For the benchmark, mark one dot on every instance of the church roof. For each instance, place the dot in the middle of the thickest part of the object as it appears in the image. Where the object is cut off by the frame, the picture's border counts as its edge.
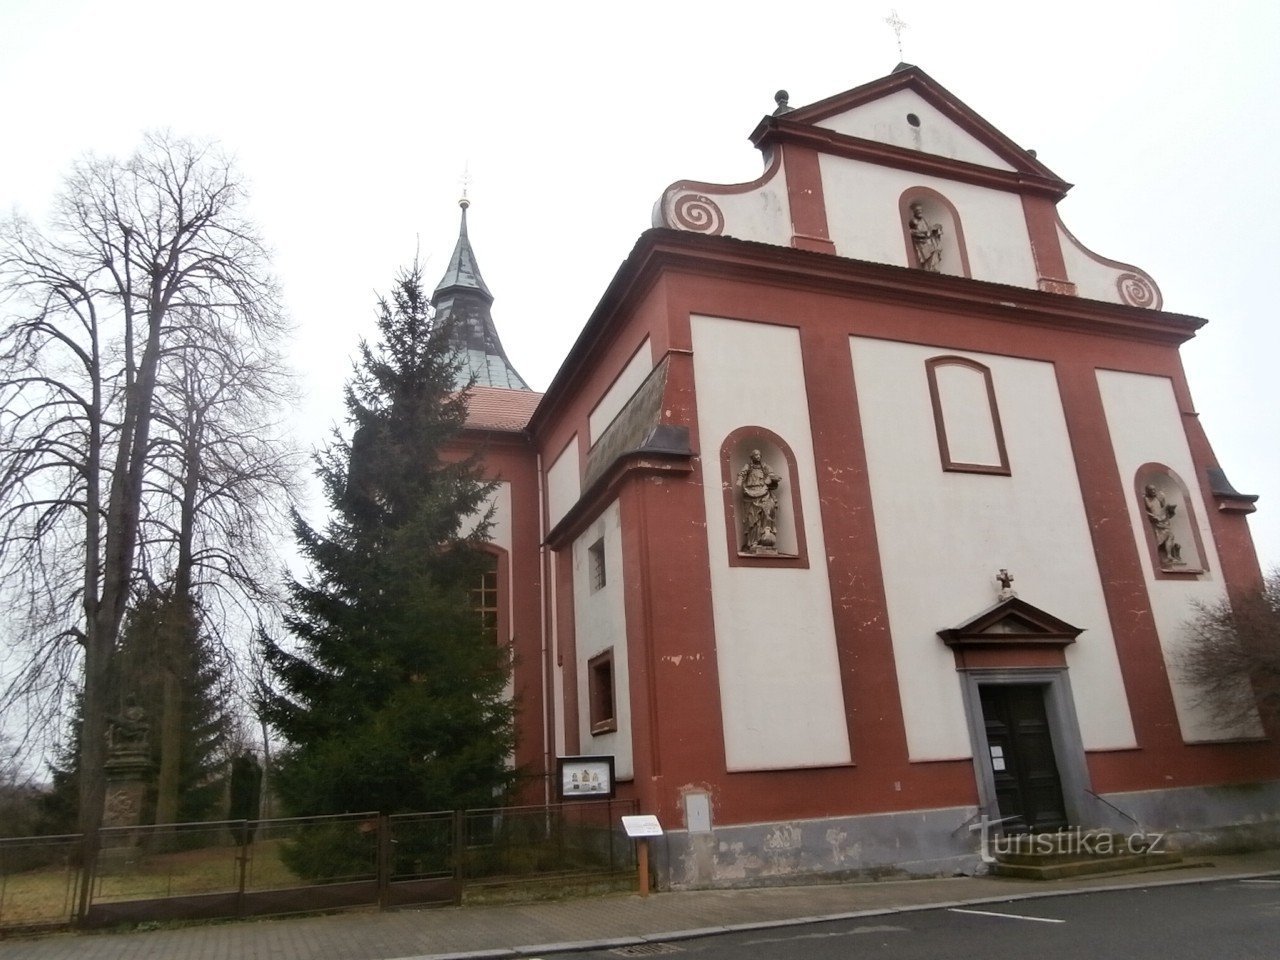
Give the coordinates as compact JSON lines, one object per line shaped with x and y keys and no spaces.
{"x":462,"y":296}
{"x":507,"y":411}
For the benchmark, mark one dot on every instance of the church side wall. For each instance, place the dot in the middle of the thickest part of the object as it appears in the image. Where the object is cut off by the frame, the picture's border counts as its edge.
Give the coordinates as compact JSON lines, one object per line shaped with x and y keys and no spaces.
{"x":515,"y":533}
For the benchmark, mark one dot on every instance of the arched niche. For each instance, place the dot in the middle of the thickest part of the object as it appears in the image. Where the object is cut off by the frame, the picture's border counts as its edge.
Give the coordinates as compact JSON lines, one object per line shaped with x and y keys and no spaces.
{"x":935,"y":212}
{"x":776,"y":459}
{"x":1169,"y":523}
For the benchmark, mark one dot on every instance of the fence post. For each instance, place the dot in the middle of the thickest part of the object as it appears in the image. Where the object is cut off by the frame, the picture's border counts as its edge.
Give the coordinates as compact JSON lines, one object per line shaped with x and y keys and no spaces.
{"x":459,"y":852}
{"x":384,"y":861}
{"x":243,"y":858}
{"x":88,"y":862}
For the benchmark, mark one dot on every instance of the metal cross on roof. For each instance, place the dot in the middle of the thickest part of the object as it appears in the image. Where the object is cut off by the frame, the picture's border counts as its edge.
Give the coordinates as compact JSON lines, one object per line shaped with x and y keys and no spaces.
{"x":897,"y":24}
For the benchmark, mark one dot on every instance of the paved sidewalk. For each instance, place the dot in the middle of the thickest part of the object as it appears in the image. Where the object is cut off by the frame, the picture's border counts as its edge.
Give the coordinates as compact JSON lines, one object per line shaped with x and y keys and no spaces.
{"x":539,"y":929}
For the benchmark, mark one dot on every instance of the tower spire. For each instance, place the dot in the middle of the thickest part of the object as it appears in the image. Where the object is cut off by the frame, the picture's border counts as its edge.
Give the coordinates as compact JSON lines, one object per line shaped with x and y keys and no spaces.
{"x":462,"y":296}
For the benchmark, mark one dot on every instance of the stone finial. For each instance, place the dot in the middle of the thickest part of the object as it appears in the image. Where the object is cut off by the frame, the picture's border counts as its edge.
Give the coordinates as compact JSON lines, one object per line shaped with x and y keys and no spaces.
{"x":781,"y":98}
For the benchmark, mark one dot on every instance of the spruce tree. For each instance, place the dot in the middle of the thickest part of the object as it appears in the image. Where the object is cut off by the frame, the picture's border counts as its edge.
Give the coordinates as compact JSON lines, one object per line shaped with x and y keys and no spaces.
{"x":165,"y":664}
{"x":391,"y":696}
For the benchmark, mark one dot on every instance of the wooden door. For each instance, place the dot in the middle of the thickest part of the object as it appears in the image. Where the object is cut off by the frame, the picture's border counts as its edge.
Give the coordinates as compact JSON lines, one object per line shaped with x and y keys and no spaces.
{"x":1028,"y":789}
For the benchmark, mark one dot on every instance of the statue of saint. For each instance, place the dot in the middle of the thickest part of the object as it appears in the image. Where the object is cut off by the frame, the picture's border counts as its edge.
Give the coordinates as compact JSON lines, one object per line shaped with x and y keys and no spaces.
{"x":758,"y":484}
{"x":1161,"y":514}
{"x":926,"y":238}
{"x":130,"y":732}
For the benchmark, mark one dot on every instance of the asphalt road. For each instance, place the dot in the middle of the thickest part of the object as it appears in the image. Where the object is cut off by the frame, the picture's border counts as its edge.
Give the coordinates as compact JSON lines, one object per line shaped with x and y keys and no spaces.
{"x":1229,"y":920}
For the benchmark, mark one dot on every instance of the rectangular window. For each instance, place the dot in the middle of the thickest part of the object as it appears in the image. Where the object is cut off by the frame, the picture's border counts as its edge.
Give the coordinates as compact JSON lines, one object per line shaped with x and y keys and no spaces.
{"x":595,"y":562}
{"x":600,"y":692}
{"x":484,"y":599}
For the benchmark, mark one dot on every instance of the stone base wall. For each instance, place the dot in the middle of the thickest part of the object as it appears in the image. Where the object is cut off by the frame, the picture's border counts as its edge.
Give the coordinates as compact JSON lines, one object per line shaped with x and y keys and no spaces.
{"x":947,"y":841}
{"x":1217,"y":819}
{"x":922,"y":843}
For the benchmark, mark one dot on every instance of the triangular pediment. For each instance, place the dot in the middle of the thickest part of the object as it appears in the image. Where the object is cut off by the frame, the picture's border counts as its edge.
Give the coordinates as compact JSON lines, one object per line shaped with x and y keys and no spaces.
{"x":1011,"y":621}
{"x":908,"y":111}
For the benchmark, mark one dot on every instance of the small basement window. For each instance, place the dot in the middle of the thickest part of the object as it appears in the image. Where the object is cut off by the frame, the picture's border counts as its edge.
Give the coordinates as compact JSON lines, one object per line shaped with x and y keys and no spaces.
{"x":600,"y":693}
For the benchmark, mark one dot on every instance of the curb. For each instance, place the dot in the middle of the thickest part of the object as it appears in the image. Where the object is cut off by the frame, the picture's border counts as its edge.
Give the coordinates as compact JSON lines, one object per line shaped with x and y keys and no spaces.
{"x":535,"y":951}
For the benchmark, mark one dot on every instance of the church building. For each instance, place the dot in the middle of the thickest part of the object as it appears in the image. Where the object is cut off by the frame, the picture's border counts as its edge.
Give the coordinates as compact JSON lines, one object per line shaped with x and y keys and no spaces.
{"x":869,"y":503}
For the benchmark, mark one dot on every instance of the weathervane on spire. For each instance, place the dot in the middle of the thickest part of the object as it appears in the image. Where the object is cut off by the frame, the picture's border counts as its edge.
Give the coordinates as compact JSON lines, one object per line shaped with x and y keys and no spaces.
{"x":897,"y":24}
{"x":465,"y":180}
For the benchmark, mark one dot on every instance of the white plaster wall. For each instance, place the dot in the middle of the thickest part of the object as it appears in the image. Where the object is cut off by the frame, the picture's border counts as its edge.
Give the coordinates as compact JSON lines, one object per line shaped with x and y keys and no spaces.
{"x":616,"y":397}
{"x":1146,"y":427}
{"x":865,"y":223}
{"x":944,"y":536}
{"x":499,"y":521}
{"x":966,"y":411}
{"x":564,"y":483}
{"x":600,"y":622}
{"x":885,"y":121}
{"x":1093,"y":280}
{"x":780,"y":694}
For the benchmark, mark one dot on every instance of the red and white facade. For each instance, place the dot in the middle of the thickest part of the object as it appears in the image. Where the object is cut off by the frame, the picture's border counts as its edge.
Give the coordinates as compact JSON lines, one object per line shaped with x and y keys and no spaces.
{"x":844,"y":702}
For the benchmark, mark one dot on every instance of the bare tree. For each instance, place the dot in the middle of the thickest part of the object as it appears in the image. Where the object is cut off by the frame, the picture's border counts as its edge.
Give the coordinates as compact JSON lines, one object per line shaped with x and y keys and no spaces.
{"x":141,"y":257}
{"x":1233,"y":656}
{"x":215,"y":504}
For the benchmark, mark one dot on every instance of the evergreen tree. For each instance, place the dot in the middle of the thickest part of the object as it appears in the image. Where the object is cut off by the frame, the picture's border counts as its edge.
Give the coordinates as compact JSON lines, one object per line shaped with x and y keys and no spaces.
{"x":392,"y":695}
{"x":166,"y":665}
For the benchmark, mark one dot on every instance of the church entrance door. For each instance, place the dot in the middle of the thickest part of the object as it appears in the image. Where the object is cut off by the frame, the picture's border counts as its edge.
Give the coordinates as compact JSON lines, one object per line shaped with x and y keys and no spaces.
{"x":1028,"y":788}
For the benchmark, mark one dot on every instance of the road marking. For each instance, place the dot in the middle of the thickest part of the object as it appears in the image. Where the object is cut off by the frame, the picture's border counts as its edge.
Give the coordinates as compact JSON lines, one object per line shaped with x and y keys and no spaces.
{"x":1260,"y":881}
{"x":1007,"y":916}
{"x":881,"y":928}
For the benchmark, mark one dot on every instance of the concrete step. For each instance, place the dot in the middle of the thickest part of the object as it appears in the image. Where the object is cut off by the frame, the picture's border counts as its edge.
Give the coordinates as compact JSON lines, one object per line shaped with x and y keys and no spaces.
{"x":1085,"y":867}
{"x":1075,"y":853}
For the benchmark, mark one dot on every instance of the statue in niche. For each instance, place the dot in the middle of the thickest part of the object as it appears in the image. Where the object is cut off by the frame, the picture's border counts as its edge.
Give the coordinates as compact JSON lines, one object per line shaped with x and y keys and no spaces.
{"x":128,"y":734}
{"x":759,"y":485}
{"x":1160,"y":513}
{"x":926,"y":238}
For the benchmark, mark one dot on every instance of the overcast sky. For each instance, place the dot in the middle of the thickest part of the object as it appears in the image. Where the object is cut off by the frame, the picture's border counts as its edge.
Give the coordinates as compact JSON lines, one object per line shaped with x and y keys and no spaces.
{"x":354,"y":124}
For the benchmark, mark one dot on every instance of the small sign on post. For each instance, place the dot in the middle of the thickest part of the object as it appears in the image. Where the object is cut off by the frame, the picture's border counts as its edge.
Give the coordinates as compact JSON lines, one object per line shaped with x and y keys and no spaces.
{"x":640,"y":828}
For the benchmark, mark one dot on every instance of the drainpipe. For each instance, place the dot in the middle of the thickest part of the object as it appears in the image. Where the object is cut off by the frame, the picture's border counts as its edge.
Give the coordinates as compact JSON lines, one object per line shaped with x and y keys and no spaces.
{"x":547,"y":685}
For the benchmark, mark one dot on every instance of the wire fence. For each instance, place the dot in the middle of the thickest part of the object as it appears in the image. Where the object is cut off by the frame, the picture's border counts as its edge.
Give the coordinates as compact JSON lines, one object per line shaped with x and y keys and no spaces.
{"x":304,"y":864}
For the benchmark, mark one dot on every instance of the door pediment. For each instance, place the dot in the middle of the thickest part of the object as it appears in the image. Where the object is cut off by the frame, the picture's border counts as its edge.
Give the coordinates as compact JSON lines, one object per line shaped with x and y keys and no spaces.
{"x":1011,"y":622}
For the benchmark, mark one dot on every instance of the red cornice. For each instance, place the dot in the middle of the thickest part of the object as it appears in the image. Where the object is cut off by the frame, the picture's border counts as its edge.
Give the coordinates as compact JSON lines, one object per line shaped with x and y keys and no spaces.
{"x":777,"y":130}
{"x":660,"y":249}
{"x":605,"y":490}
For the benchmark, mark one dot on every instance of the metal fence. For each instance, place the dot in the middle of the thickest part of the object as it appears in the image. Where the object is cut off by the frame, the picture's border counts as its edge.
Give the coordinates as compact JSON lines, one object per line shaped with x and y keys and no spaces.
{"x":242,"y":869}
{"x":39,"y":877}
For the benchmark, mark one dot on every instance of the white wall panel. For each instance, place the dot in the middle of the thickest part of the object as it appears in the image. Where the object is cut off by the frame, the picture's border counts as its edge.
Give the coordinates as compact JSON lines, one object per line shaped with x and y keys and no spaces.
{"x":885,"y":121}
{"x":600,"y":622}
{"x":865,"y":223}
{"x":1146,"y":427}
{"x":616,"y":397}
{"x":780,"y":689}
{"x":944,"y":536}
{"x":564,"y":483}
